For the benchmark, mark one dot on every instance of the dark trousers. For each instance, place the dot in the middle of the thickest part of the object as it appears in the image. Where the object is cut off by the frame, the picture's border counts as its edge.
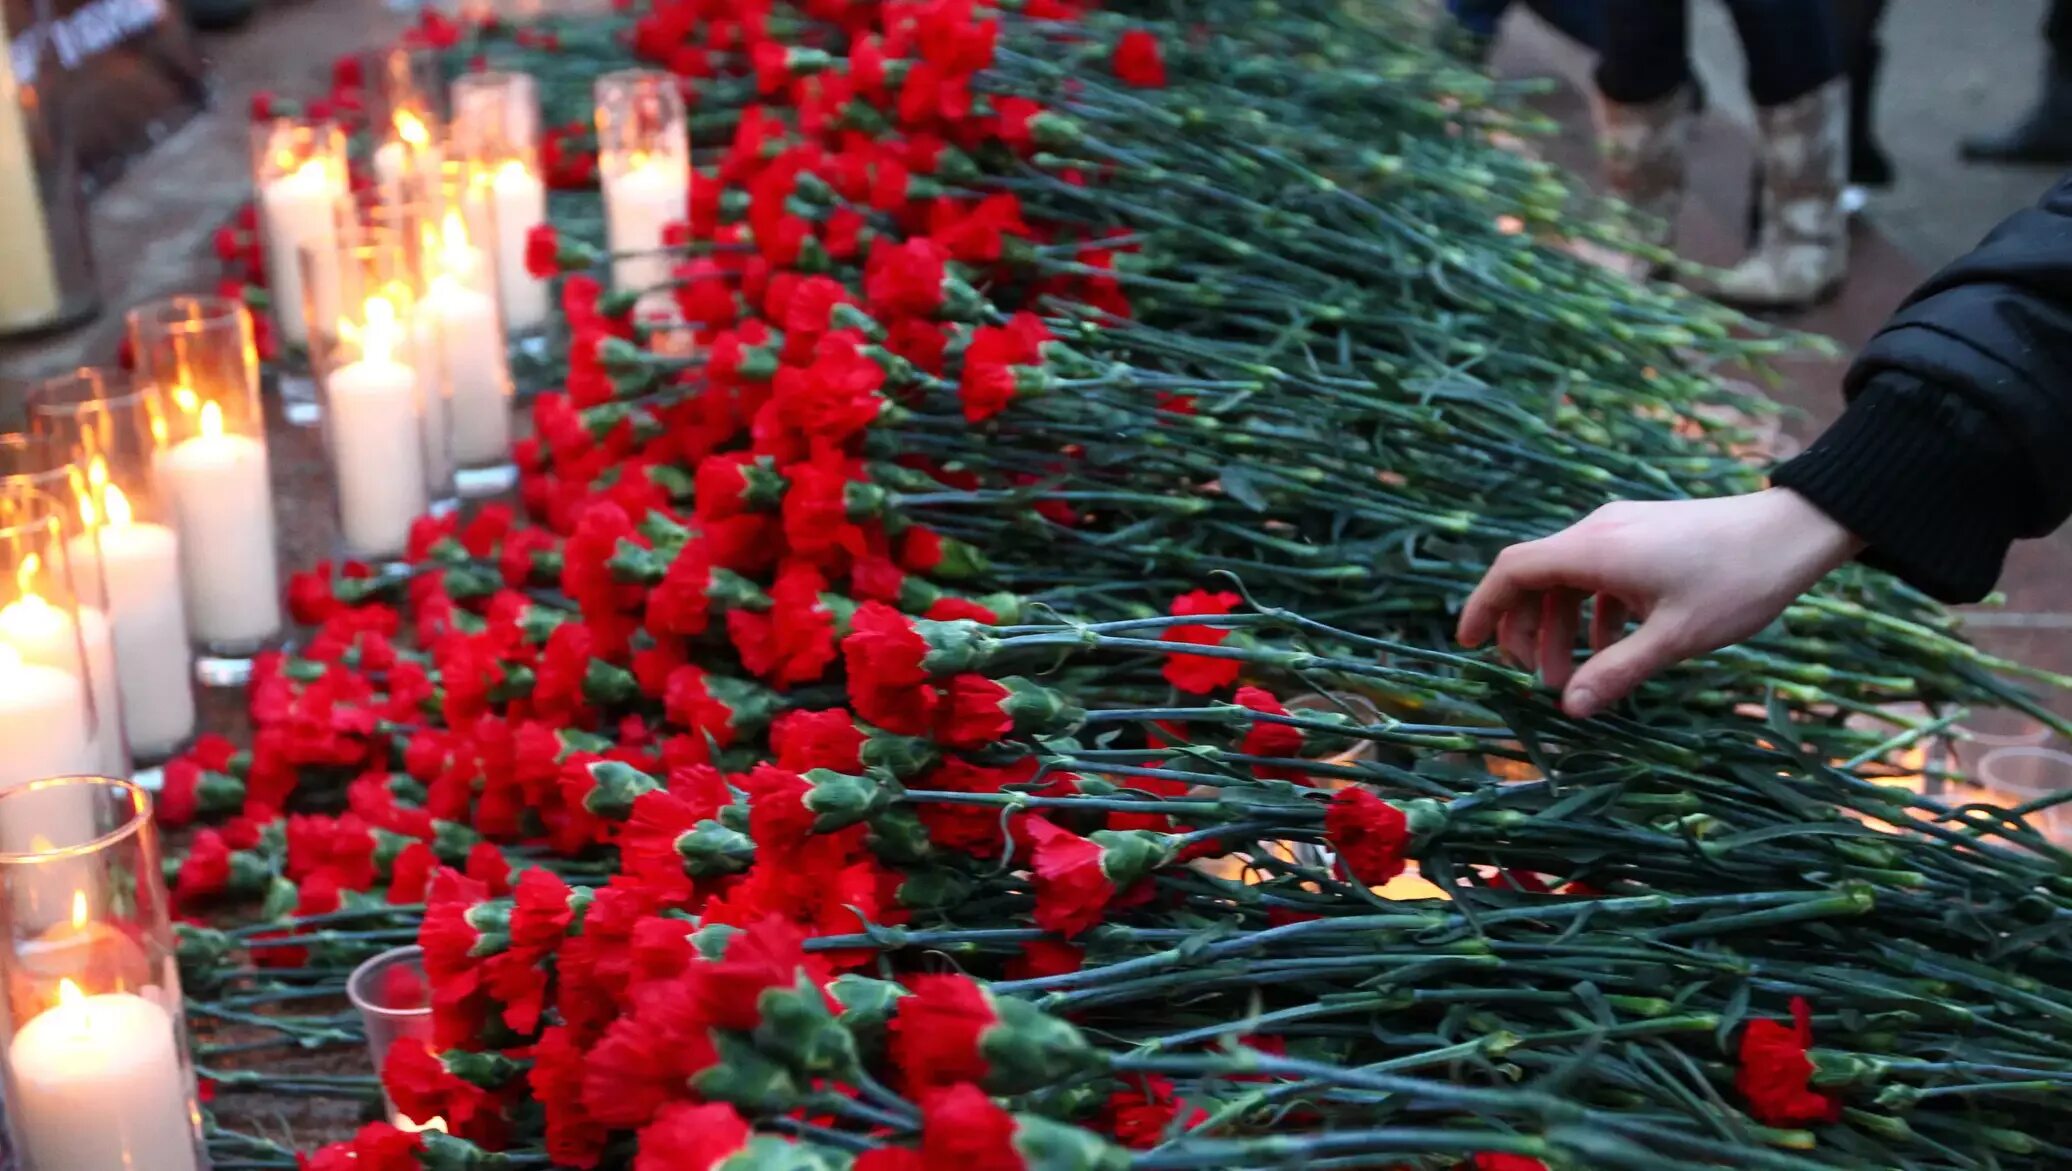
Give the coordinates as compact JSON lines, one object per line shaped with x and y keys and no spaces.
{"x":2057,"y":29}
{"x":1791,"y":47}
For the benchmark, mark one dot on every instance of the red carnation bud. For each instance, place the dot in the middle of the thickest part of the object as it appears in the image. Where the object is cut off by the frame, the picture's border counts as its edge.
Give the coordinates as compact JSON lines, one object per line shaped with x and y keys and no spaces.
{"x":1776,"y":1072}
{"x":1371,"y":836}
{"x":1139,"y":61}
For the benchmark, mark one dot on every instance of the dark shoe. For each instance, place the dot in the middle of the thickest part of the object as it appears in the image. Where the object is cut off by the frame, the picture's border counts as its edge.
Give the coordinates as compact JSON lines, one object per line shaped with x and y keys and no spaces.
{"x":2044,"y":135}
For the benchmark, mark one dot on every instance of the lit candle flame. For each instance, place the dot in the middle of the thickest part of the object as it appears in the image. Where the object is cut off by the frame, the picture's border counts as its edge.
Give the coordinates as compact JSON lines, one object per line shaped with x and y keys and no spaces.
{"x":69,"y":993}
{"x":312,"y":172}
{"x":513,"y":169}
{"x":211,"y":420}
{"x":412,"y":1126}
{"x":185,"y":398}
{"x":411,"y":129}
{"x":456,"y":254}
{"x":78,"y":910}
{"x":25,"y":575}
{"x":97,"y":473}
{"x":117,"y":506}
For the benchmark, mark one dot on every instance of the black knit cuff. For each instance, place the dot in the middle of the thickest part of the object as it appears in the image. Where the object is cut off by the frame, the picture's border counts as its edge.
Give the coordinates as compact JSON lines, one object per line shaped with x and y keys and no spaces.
{"x":1926,"y":480}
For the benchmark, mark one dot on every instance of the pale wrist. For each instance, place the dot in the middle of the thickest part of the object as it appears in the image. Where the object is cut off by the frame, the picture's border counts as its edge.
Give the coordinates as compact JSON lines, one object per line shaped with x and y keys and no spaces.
{"x":1810,"y":537}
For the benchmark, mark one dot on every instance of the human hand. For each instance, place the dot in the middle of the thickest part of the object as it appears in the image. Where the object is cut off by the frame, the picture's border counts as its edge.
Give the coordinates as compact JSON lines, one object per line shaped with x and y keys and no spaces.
{"x":1697,"y":574}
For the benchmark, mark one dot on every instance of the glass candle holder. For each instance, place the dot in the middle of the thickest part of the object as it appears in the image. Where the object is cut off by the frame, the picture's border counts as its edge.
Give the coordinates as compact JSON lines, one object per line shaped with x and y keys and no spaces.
{"x":394,"y":997}
{"x":58,"y":707}
{"x":644,"y":161}
{"x":299,"y":172}
{"x":460,"y":309}
{"x":34,"y":623}
{"x":98,"y":1071}
{"x":2019,"y":774}
{"x":495,"y":136}
{"x":213,"y":473}
{"x":406,"y":92}
{"x":112,"y":432}
{"x":43,"y":220}
{"x":385,"y":426}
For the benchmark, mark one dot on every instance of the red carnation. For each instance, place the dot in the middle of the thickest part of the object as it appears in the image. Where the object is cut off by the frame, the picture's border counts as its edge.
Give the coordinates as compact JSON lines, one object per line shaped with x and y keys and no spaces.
{"x":1144,"y":1113}
{"x":1776,"y":1073}
{"x":905,"y":280}
{"x":378,"y":1146}
{"x":1199,"y":673}
{"x":1268,"y":739}
{"x":422,"y":1089}
{"x":542,"y":251}
{"x":556,"y":1079}
{"x":936,"y":1036}
{"x":1371,"y":836}
{"x":887,"y":682}
{"x":805,"y":740}
{"x":964,"y":1130}
{"x":1072,"y":890}
{"x":206,"y":869}
{"x":686,"y":1137}
{"x":975,"y":714}
{"x":769,"y":954}
{"x":411,"y":873}
{"x":1139,"y":61}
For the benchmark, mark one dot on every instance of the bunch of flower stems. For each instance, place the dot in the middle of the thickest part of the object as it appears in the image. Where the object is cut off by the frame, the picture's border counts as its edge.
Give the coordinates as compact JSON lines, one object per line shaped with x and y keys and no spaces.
{"x":1312,"y":335}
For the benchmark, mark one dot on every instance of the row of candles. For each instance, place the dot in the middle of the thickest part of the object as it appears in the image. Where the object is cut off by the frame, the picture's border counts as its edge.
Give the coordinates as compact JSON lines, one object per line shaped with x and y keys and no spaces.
{"x":406,"y":292}
{"x":137,"y":546}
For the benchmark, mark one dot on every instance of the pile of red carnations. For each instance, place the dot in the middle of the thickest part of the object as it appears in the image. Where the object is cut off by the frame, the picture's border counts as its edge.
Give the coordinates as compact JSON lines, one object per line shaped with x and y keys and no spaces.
{"x":967,"y":688}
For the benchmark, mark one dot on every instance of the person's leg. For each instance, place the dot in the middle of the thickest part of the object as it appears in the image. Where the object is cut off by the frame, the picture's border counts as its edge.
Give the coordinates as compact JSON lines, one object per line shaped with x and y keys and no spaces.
{"x":1794,"y":68}
{"x":1862,"y":57}
{"x":1642,"y":56}
{"x":1644,"y":108}
{"x":1791,"y":47}
{"x":2044,"y":134}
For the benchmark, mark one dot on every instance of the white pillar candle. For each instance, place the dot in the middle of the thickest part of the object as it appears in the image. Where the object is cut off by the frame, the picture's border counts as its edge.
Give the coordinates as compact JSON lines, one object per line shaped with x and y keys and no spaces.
{"x":638,"y":203}
{"x":222,"y":505}
{"x":30,"y":293}
{"x":520,"y":203}
{"x":42,"y":722}
{"x":410,"y":152}
{"x":471,"y":351}
{"x":299,"y":208}
{"x":434,"y":400}
{"x":98,"y":1084}
{"x":140,"y":564}
{"x":45,"y":635}
{"x":376,"y":441}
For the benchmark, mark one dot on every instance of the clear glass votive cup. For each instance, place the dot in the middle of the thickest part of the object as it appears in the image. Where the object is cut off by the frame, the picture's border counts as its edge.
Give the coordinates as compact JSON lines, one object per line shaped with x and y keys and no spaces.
{"x":461,"y":310}
{"x":2019,"y":774}
{"x":214,"y":474}
{"x":299,"y":176}
{"x":393,"y":995}
{"x":494,"y":136}
{"x":644,"y":168}
{"x":98,"y":1071}
{"x":111,"y":430}
{"x":380,"y":372}
{"x":58,"y":681}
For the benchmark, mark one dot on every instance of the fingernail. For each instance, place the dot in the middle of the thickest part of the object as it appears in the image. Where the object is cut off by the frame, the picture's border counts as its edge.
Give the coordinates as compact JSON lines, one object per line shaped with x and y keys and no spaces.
{"x":1582,"y":703}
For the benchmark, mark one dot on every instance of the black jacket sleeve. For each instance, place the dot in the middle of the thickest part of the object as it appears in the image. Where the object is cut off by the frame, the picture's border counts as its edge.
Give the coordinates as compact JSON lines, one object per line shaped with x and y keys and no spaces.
{"x":1958,"y":436}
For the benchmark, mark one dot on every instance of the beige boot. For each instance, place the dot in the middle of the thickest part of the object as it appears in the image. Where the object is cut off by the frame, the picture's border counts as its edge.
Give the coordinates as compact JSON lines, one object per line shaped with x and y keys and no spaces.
{"x":1802,"y":252}
{"x":1645,"y":149}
